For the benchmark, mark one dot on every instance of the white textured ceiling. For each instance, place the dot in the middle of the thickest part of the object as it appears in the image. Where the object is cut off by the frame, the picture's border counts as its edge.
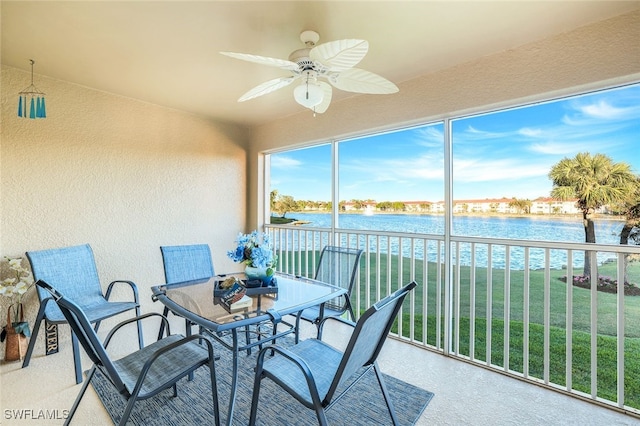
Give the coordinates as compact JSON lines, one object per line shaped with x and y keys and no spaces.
{"x":166,"y":52}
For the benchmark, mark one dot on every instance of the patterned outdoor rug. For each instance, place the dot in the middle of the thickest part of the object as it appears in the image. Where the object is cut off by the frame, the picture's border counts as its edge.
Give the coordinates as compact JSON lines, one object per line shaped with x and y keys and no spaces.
{"x":362,"y":405}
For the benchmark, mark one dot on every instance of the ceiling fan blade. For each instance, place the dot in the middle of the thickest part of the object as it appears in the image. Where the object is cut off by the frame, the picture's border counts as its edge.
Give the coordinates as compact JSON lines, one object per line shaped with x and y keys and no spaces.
{"x":267,"y":87}
{"x":340,"y":55}
{"x":263,"y":60}
{"x":361,"y":81}
{"x":326,"y":100}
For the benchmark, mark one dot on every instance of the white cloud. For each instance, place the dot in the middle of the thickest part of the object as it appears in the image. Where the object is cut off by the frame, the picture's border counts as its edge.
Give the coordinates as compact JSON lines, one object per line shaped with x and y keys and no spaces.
{"x":526,"y":131}
{"x":497,"y":170}
{"x":284,"y":162}
{"x":557,"y":148}
{"x":603,"y":110}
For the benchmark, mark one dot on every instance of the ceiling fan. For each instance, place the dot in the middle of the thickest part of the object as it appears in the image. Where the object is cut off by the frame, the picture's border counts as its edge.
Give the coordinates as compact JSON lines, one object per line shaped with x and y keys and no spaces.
{"x":333,"y":61}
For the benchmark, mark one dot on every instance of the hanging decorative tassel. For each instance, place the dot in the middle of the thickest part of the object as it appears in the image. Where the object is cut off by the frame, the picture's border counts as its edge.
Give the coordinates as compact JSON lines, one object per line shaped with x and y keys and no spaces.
{"x":32,"y":109}
{"x":39,"y":107}
{"x":36,"y":106}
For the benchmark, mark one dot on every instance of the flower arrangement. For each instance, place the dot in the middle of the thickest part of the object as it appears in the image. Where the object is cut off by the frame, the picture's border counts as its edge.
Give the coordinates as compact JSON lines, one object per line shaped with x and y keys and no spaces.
{"x":254,"y":250}
{"x":15,"y":288}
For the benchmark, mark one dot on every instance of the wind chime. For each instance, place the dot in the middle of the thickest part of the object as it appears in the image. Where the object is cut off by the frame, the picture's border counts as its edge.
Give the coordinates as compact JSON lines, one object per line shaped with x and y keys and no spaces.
{"x":35,"y":99}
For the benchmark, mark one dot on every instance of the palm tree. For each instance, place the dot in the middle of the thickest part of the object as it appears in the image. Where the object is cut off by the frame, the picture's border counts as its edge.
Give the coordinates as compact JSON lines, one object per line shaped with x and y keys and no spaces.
{"x":631,"y":210}
{"x":595,"y":181}
{"x":522,"y":205}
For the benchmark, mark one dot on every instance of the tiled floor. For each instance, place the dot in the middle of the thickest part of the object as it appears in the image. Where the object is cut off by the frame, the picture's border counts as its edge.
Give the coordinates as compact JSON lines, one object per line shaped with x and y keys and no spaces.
{"x":464,"y":394}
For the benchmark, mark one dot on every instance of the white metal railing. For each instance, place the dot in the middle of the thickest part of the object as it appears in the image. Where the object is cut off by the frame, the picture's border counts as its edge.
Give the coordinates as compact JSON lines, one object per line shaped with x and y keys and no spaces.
{"x":519,"y":282}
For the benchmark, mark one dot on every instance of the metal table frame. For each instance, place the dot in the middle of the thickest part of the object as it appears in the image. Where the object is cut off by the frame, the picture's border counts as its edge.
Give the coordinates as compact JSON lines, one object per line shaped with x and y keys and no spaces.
{"x":242,"y":320}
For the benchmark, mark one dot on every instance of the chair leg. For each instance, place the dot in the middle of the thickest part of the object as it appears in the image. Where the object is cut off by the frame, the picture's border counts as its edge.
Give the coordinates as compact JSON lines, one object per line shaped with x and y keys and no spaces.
{"x":322,"y":418}
{"x":297,"y":332}
{"x":187,"y":331}
{"x":214,"y":390}
{"x":34,"y":334}
{"x":127,"y":411}
{"x":165,"y":313}
{"x":385,"y":393}
{"x":80,"y":395}
{"x":350,"y":309}
{"x":77,"y":361}
{"x":255,"y":397}
{"x":247,"y":337}
{"x":275,"y":331}
{"x":140,"y":339}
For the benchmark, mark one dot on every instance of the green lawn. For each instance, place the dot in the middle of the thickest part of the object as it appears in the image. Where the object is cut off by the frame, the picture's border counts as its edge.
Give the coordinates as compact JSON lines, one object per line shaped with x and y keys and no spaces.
{"x":581,"y":312}
{"x":398,"y":271}
{"x":581,"y":355}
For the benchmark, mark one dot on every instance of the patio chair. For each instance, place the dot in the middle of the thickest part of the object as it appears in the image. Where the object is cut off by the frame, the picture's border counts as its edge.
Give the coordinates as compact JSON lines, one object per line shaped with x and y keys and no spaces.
{"x":73,"y":271}
{"x":337,"y":266}
{"x":186,"y":263}
{"x":145,"y":372}
{"x":313,"y":371}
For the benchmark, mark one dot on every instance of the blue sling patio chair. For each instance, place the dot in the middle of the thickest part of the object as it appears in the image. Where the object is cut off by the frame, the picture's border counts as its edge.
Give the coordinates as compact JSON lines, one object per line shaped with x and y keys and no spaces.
{"x":145,"y":372}
{"x":186,"y":263}
{"x":313,"y":372}
{"x":337,"y":266}
{"x":73,"y":271}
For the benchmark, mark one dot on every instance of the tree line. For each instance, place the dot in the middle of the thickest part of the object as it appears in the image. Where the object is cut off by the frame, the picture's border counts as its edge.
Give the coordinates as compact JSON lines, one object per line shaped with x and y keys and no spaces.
{"x":283,"y":204}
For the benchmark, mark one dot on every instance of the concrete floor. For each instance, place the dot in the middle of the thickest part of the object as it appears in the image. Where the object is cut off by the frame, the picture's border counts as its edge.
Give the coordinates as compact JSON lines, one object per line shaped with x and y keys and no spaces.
{"x":464,"y":394}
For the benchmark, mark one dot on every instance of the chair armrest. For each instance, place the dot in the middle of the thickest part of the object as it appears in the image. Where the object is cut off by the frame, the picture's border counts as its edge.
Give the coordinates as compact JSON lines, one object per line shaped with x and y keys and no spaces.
{"x":298,"y":361}
{"x":342,"y":320}
{"x":118,"y":326}
{"x":134,"y":289}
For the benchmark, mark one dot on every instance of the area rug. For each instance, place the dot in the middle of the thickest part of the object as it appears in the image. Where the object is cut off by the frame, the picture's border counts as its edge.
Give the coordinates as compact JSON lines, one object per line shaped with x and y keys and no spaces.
{"x":362,"y":405}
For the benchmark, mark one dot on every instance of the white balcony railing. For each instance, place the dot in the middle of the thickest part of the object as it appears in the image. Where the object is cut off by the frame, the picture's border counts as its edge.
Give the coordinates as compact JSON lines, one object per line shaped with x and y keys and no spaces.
{"x":574,"y":340}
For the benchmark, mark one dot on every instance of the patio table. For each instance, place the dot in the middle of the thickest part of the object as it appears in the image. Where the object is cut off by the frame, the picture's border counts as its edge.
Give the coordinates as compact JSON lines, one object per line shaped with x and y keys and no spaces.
{"x":194,"y":301}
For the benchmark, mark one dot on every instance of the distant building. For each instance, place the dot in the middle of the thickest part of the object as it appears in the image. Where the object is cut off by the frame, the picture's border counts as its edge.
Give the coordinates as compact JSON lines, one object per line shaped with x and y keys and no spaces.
{"x":541,"y":205}
{"x":547,"y":205}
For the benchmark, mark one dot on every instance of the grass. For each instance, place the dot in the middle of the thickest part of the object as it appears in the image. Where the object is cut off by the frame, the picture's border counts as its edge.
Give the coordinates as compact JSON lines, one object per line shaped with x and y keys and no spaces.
{"x":507,"y":304}
{"x":606,"y":368}
{"x":424,"y":301}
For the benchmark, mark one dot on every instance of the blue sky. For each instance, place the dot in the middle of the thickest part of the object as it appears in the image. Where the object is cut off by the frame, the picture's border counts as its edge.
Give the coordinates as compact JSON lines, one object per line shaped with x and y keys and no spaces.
{"x":503,"y":154}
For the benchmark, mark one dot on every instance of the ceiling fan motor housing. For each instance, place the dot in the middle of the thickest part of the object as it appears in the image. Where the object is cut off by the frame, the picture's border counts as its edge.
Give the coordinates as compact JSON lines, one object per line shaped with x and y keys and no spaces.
{"x":301,"y":57}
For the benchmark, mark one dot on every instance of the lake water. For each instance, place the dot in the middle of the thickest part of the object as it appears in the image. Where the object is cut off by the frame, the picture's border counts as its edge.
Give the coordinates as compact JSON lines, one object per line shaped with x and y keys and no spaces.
{"x":523,"y":228}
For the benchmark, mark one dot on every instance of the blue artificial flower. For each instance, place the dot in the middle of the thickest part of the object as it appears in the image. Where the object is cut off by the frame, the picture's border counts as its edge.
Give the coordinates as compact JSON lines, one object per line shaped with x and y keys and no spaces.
{"x":254,"y":249}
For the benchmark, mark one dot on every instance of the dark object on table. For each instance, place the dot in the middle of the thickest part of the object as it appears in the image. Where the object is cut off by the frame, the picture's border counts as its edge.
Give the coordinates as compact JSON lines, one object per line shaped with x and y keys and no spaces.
{"x":218,"y":291}
{"x":232,"y":295}
{"x":253,"y":283}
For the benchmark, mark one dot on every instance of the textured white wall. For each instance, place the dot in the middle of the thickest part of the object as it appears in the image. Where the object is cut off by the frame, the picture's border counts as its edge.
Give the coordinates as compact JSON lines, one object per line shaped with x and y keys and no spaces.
{"x":122,"y":175}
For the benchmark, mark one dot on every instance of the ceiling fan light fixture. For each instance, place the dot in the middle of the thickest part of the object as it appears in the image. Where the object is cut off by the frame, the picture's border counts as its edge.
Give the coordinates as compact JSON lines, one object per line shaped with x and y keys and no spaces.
{"x":308,"y":94}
